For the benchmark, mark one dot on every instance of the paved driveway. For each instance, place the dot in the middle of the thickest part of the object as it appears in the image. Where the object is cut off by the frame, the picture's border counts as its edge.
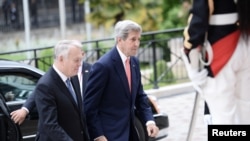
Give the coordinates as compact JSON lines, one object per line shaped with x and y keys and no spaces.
{"x":179,"y":109}
{"x":178,"y":102}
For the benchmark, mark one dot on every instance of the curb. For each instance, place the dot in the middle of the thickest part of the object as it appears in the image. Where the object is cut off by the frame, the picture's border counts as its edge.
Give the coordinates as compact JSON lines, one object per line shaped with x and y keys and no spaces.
{"x":171,"y":90}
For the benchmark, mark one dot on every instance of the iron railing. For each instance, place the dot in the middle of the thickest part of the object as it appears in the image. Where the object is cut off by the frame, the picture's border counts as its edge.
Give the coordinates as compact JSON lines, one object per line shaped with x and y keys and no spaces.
{"x":159,"y":56}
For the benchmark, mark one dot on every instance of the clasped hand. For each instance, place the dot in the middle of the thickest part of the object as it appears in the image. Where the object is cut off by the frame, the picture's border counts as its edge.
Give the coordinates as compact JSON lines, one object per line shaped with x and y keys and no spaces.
{"x":197,"y":74}
{"x":152,"y":130}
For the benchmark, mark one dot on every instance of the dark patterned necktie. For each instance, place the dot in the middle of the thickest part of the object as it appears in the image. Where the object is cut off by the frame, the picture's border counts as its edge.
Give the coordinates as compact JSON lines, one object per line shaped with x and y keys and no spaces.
{"x":71,"y":89}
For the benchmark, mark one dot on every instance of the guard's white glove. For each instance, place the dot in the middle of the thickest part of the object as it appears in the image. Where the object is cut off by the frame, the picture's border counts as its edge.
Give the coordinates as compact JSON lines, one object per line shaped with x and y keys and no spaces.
{"x":207,"y":119}
{"x":197,"y":75}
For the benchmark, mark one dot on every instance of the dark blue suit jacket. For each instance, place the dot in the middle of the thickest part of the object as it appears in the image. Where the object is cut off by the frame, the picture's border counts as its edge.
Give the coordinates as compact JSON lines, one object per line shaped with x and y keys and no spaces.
{"x":109,"y":105}
{"x":85,"y":74}
{"x":60,"y":117}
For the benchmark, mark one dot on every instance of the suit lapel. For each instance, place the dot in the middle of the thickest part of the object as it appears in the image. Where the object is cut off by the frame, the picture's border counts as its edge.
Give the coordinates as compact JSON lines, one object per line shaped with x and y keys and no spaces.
{"x":85,"y":75}
{"x":63,"y":87}
{"x":120,"y":69}
{"x":133,"y":75}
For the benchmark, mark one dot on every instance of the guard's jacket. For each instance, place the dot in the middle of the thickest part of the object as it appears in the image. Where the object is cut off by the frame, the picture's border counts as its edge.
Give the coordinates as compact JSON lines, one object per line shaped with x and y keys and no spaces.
{"x":216,"y":22}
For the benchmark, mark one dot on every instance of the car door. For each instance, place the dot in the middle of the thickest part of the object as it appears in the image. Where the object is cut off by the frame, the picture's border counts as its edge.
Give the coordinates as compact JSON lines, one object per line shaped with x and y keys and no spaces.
{"x":16,"y":85}
{"x":9,"y":131}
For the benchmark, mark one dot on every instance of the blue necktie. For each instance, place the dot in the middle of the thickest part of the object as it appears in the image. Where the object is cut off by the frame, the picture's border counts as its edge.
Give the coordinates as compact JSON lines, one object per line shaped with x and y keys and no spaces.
{"x":71,"y":89}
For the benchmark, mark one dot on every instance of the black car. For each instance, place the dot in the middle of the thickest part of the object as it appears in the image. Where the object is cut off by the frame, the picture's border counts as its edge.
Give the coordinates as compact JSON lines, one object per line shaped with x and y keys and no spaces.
{"x":18,"y":80}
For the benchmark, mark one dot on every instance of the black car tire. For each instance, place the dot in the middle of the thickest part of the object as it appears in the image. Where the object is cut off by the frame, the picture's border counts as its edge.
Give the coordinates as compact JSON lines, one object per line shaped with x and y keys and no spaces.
{"x":141,"y":131}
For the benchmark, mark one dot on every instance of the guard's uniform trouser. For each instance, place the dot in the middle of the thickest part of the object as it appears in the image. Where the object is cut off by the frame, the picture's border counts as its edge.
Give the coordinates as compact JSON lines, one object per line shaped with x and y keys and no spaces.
{"x":228,"y":93}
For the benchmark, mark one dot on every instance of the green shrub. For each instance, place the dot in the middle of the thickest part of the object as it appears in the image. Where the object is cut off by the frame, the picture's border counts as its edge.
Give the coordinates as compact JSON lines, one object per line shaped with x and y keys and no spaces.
{"x":163,"y":73}
{"x":45,"y":59}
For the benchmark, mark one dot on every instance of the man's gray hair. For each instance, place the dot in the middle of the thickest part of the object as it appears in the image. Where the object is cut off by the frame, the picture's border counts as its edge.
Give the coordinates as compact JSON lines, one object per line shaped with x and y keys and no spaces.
{"x":123,"y":28}
{"x":62,"y":47}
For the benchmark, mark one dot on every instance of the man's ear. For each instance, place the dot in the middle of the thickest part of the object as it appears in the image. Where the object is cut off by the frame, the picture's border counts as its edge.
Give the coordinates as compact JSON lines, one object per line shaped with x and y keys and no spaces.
{"x":119,"y":39}
{"x":61,"y":58}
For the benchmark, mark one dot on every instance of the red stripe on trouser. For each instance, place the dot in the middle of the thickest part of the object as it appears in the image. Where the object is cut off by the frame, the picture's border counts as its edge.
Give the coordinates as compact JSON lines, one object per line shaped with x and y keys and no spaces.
{"x":223,"y":50}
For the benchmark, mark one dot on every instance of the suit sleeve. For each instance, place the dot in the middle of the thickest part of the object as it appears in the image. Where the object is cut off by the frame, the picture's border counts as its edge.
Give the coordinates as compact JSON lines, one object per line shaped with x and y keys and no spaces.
{"x":142,"y":103}
{"x":30,"y":102}
{"x":194,"y":33}
{"x":93,"y":96}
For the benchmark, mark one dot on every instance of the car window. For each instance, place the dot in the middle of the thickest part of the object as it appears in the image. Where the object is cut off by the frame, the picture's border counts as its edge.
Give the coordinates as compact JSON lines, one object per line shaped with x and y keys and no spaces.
{"x":16,"y":86}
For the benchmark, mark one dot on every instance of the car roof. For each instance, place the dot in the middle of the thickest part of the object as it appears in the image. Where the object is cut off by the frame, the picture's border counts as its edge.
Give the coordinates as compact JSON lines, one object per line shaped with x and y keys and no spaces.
{"x":19,"y":65}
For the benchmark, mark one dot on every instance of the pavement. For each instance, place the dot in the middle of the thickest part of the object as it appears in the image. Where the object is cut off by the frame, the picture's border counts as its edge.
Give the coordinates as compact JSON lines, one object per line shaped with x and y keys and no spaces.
{"x":177,"y":101}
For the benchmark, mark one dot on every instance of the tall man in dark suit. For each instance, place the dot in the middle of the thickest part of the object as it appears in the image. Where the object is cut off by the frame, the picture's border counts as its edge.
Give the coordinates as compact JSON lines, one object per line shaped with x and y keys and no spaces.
{"x":111,"y":97}
{"x":61,"y":116}
{"x":19,"y":115}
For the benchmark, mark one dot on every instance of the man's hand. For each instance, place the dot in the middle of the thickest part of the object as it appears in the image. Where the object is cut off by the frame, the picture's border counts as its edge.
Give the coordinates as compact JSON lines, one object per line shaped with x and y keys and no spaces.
{"x":18,"y":116}
{"x":152,"y":130}
{"x":101,"y":138}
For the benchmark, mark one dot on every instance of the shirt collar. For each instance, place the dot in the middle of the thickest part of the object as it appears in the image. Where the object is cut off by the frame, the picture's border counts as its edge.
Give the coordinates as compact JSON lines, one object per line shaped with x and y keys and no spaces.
{"x":122,"y":55}
{"x":62,"y":76}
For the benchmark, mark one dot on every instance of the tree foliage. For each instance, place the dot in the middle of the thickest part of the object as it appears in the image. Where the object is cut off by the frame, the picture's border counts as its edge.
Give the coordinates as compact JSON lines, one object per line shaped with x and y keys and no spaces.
{"x":175,"y":13}
{"x":106,"y":12}
{"x":151,"y":14}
